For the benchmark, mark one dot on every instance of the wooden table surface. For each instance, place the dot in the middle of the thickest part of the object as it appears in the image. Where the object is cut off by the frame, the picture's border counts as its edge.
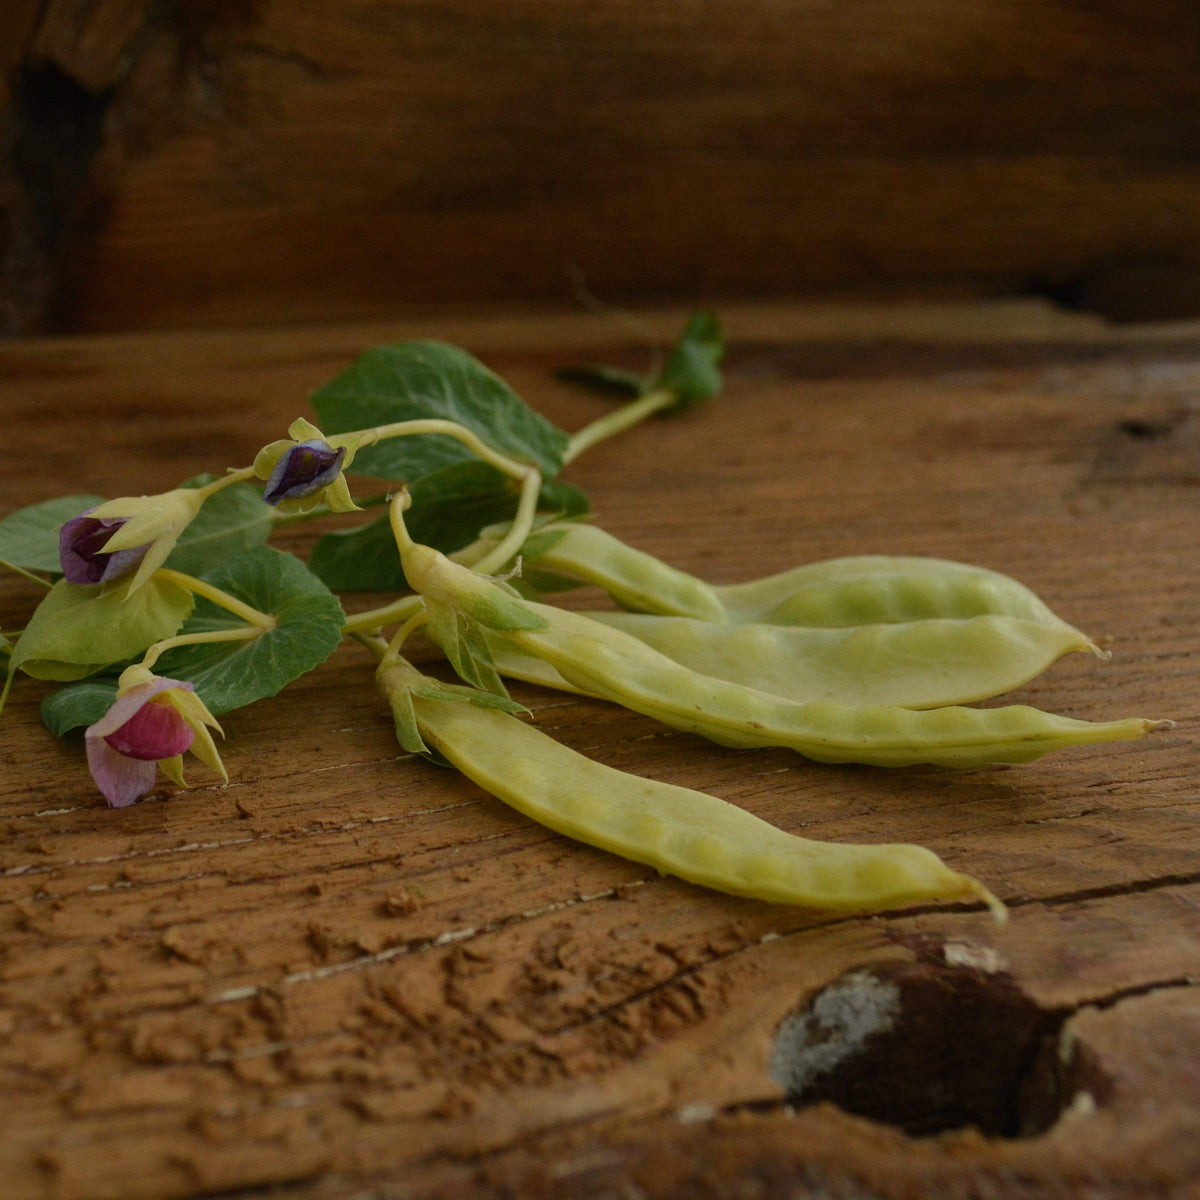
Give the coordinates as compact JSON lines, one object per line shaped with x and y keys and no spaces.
{"x":349,"y":973}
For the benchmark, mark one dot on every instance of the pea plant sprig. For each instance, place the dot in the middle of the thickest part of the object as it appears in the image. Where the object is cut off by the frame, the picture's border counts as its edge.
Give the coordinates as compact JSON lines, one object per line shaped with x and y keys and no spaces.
{"x":163,"y":612}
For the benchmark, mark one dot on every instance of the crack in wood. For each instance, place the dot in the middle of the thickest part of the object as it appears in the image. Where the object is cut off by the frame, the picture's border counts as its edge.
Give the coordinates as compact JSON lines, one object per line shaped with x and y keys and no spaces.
{"x":418,"y":946}
{"x":1107,"y":891}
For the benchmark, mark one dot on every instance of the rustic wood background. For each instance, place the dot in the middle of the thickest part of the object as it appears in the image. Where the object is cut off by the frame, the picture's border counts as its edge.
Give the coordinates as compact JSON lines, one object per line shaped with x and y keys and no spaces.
{"x":184,"y":162}
{"x":350,"y":974}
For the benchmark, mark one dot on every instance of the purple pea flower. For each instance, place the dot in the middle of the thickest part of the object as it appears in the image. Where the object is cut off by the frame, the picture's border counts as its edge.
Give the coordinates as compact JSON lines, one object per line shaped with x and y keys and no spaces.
{"x":303,"y":469}
{"x":133,"y":534}
{"x":152,"y":722}
{"x":306,"y":469}
{"x":81,"y":552}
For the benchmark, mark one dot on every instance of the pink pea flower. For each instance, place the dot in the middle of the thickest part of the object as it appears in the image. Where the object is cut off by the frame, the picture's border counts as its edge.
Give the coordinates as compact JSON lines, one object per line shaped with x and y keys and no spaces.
{"x":152,"y":722}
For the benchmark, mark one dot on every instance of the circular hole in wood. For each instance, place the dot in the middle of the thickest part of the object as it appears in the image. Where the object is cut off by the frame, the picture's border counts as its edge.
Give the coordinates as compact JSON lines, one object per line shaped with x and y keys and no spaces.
{"x":928,"y":1047}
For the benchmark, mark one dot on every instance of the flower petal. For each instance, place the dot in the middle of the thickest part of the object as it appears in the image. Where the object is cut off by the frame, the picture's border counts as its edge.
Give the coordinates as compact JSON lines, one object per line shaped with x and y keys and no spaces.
{"x":196,"y":714}
{"x":194,"y":710}
{"x":129,"y":702}
{"x":205,"y":749}
{"x":269,"y":455}
{"x":84,"y":551}
{"x":122,"y":780}
{"x":157,"y":730}
{"x":304,"y":470}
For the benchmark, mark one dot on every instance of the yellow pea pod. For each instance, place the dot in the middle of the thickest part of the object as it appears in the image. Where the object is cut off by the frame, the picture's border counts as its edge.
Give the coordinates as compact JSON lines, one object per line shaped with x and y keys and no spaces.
{"x":676,"y":830}
{"x":913,"y":664}
{"x":832,"y":593}
{"x":606,"y":662}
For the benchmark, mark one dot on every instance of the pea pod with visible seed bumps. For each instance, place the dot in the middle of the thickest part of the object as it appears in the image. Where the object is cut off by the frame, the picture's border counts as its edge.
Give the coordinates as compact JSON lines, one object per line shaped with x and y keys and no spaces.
{"x":833,"y":593}
{"x":913,"y":664}
{"x":918,"y":664}
{"x":676,"y":830}
{"x":608,"y":663}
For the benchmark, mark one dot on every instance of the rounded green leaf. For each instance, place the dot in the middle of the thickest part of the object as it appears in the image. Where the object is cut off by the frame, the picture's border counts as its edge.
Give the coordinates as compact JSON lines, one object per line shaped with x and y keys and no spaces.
{"x":82,"y":703}
{"x":308,"y":629}
{"x":231,"y":521}
{"x":29,"y":537}
{"x":78,"y":630}
{"x":420,"y":379}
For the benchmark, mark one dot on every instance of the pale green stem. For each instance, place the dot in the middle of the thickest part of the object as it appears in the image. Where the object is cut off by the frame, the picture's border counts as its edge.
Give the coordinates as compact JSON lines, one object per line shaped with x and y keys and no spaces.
{"x":377,"y":618}
{"x":196,"y":639}
{"x":28,"y":574}
{"x":401,"y":501}
{"x":262,"y":621}
{"x":617,"y":421}
{"x":406,"y":607}
{"x":8,"y":682}
{"x":373,"y":642}
{"x":230,"y":477}
{"x":514,"y":539}
{"x":478,"y":447}
{"x":400,"y":636}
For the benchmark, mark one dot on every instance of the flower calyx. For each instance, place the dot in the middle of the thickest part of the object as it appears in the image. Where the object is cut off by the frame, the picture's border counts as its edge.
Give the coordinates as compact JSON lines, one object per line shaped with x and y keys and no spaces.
{"x":306,"y":469}
{"x":151,"y":724}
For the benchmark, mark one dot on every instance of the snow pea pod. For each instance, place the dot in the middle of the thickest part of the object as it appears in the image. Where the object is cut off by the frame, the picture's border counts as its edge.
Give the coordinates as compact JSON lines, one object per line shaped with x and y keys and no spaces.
{"x":915,"y":664}
{"x":676,"y":830}
{"x":635,"y":579}
{"x":873,"y":588}
{"x":832,"y":593}
{"x":608,"y":663}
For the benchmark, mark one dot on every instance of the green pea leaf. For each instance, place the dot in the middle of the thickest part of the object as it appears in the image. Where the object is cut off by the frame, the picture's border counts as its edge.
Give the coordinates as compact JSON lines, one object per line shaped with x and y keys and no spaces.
{"x":29,"y":537}
{"x":449,"y":508}
{"x":77,"y":631}
{"x":78,"y":704}
{"x":363,"y":559}
{"x":608,"y":381}
{"x":422,"y":379}
{"x":692,"y":370}
{"x":308,"y":628}
{"x":232,"y":521}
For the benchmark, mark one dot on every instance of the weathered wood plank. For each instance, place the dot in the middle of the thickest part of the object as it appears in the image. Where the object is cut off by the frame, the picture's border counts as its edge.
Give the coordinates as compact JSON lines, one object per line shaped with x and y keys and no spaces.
{"x":349,"y":969}
{"x":274,"y":162}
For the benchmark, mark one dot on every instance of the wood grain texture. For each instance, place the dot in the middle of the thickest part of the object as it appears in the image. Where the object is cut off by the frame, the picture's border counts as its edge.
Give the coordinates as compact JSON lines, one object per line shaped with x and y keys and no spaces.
{"x":354,"y":974}
{"x":268,"y":161}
